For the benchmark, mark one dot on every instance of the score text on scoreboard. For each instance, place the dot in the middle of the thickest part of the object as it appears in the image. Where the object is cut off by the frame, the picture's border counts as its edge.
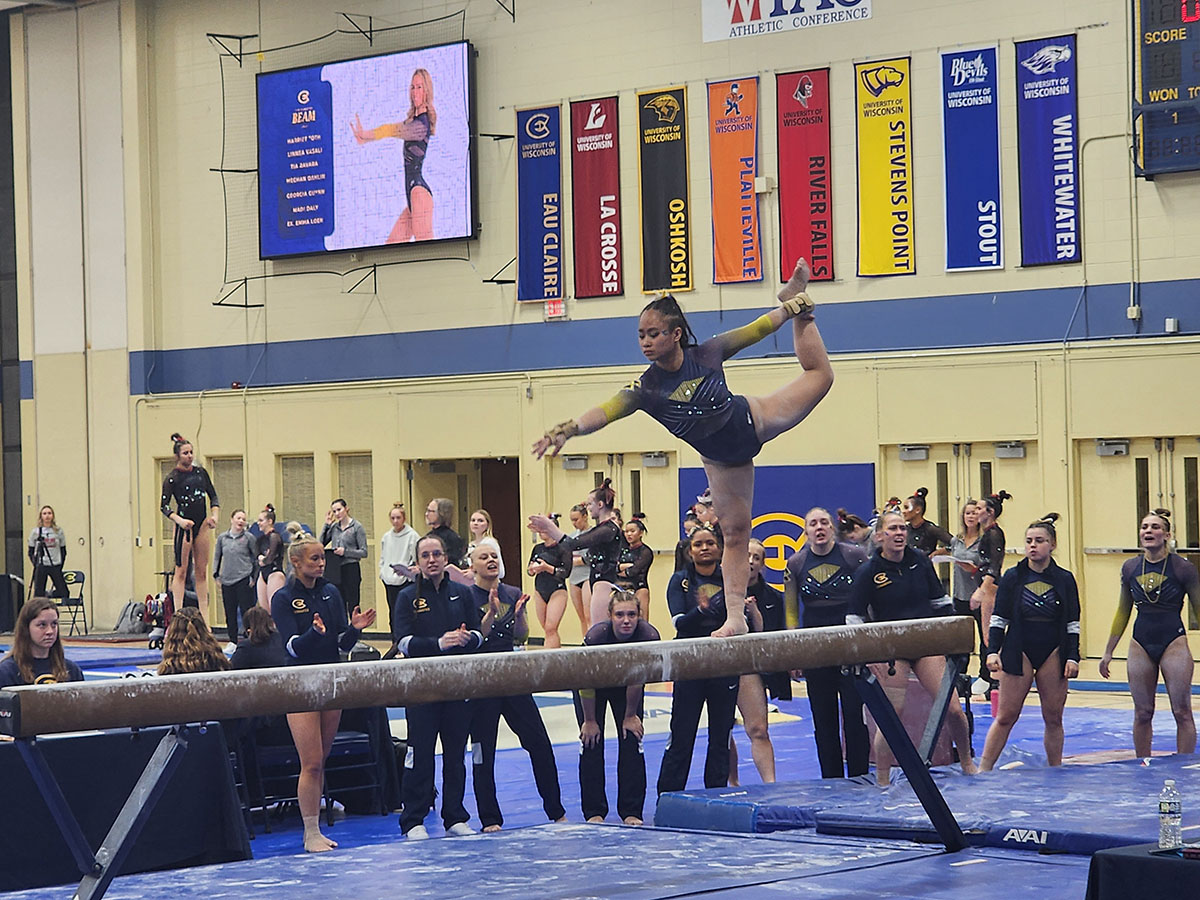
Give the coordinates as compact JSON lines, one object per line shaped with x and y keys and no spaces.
{"x":1166,"y":86}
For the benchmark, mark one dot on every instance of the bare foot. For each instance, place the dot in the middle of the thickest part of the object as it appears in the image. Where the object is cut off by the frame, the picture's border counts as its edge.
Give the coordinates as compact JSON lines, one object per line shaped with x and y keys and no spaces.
{"x":632,"y":820}
{"x":731,"y":628}
{"x":318,"y":843}
{"x":798,"y":282}
{"x":561,"y":821}
{"x":490,"y":829}
{"x":968,"y":766}
{"x":596,"y":819}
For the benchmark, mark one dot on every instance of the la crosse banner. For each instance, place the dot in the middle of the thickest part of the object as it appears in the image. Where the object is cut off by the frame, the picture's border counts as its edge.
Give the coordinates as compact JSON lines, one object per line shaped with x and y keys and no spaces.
{"x":596,"y":194}
{"x":805,"y":192}
{"x":886,"y":225}
{"x":539,"y":204}
{"x":971,"y":148}
{"x":733,"y":163}
{"x":1048,"y":150}
{"x":663,"y":183}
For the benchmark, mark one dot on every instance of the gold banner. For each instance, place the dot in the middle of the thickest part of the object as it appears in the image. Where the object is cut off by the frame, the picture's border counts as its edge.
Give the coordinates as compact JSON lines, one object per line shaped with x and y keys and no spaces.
{"x":886,"y":224}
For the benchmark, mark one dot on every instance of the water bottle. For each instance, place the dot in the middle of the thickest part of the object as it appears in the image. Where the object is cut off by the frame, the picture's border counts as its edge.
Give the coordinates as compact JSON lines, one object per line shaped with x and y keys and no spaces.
{"x":1170,"y":816}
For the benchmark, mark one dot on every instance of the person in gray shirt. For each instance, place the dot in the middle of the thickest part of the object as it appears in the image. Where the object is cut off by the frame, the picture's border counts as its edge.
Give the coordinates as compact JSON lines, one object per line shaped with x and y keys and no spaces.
{"x":346,"y":539}
{"x":234,"y":565}
{"x":48,"y":552}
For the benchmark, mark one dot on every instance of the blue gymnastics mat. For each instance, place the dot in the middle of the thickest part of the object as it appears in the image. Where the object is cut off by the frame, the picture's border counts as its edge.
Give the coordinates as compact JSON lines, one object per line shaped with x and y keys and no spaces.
{"x":1068,"y":809}
{"x":109,"y":657}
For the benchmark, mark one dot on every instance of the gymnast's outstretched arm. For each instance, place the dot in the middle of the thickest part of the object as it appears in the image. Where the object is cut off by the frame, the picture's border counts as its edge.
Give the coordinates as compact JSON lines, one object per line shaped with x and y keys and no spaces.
{"x":620,"y":405}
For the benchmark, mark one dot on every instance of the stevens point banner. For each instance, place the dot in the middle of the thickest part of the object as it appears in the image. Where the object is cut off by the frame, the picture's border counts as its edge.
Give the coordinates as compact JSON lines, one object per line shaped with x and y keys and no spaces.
{"x":971,"y":147}
{"x":805,"y":195}
{"x":1048,"y":151}
{"x":733,"y":163}
{"x":539,"y":204}
{"x":596,"y":194}
{"x":663,"y":175}
{"x":886,"y":226}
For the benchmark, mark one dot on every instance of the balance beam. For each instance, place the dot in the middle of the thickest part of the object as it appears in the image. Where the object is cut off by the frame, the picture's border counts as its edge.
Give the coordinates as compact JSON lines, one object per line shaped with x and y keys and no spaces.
{"x":139,"y":702}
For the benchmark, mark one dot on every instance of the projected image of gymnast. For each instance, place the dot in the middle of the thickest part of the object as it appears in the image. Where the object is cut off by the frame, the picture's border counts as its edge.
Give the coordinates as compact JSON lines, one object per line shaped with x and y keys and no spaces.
{"x":416,"y":222}
{"x":685,"y":390}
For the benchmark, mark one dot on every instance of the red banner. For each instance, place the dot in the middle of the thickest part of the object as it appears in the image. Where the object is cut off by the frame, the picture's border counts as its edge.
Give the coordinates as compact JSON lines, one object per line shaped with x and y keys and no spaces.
{"x":596,"y":189}
{"x":805,"y":191}
{"x":733,"y":163}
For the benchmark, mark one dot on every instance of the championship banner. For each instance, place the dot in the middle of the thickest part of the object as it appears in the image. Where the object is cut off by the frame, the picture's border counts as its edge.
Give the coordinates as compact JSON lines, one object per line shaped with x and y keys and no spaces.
{"x":539,"y":204}
{"x":596,"y":194}
{"x":886,"y":225}
{"x":663,"y":184}
{"x":733,"y":163}
{"x":1048,"y":150}
{"x":805,"y":191}
{"x":971,"y":147}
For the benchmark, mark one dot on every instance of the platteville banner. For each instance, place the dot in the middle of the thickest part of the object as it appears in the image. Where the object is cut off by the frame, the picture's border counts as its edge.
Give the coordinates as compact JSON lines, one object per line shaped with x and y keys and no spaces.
{"x":596,"y":196}
{"x":733,"y":163}
{"x":886,"y":225}
{"x":663,"y":172}
{"x":539,"y":204}
{"x":971,"y":148}
{"x":805,"y":192}
{"x":1048,"y":150}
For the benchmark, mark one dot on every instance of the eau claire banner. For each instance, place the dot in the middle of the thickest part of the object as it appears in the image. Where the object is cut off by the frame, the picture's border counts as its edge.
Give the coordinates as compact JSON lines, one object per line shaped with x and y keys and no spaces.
{"x":539,"y":204}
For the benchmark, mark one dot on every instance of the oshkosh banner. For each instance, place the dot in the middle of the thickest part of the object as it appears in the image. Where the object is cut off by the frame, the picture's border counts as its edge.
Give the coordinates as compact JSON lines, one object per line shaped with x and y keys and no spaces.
{"x":971,"y":147}
{"x":596,"y":193}
{"x":886,"y":226}
{"x":539,"y":204}
{"x":1048,"y":150}
{"x":733,"y":163}
{"x":805,"y":195}
{"x":724,"y":20}
{"x":663,"y":172}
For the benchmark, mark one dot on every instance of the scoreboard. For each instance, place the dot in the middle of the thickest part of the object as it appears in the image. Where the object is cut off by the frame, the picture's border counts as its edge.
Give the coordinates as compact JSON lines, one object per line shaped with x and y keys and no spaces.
{"x":1166,"y":86}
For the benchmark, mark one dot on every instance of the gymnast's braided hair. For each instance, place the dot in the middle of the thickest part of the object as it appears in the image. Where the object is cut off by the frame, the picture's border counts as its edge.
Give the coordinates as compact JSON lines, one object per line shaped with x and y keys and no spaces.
{"x":668,"y":307}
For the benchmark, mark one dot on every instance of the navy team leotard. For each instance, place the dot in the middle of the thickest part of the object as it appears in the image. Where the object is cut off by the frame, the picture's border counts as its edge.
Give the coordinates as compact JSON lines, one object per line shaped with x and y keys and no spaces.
{"x":1036,"y":613}
{"x":414,"y":158}
{"x":188,"y":488}
{"x":1157,"y":590}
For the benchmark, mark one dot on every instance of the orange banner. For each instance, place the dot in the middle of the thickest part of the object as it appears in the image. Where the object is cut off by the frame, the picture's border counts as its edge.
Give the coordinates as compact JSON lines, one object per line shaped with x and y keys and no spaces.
{"x":733,"y":163}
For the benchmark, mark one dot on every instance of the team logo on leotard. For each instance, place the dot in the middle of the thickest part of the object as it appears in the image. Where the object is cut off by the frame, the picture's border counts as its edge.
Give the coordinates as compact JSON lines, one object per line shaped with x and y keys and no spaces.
{"x":881,"y":580}
{"x":1151,"y":583}
{"x":781,"y":535}
{"x":822,"y":573}
{"x":1038,"y":588}
{"x":48,"y":678}
{"x":685,"y":391}
{"x":298,"y":605}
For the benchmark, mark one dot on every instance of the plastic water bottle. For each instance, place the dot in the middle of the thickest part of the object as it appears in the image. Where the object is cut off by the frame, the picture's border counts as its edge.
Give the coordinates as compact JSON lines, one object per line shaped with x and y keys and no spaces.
{"x":1170,"y":817}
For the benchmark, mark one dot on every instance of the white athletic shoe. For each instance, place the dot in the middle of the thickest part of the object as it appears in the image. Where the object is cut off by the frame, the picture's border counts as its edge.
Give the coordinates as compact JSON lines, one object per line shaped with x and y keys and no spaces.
{"x":979,"y":687}
{"x":460,"y":829}
{"x":418,"y":833}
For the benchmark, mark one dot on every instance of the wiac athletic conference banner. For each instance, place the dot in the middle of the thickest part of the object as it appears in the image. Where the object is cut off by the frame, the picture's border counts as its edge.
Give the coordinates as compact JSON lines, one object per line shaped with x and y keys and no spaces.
{"x":805,"y":193}
{"x":971,"y":150}
{"x":596,"y":196}
{"x":663,"y":180}
{"x":886,"y":224}
{"x":733,"y":163}
{"x":1048,"y":150}
{"x":539,"y":204}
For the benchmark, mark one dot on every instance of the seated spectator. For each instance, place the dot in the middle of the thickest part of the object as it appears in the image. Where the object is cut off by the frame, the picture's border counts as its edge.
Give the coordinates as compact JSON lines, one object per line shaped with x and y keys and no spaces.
{"x":261,"y":647}
{"x":37,"y":656}
{"x":189,"y":646}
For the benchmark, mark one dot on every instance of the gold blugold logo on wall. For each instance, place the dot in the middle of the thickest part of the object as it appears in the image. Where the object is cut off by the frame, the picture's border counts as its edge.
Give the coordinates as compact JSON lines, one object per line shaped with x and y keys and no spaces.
{"x":781,"y":535}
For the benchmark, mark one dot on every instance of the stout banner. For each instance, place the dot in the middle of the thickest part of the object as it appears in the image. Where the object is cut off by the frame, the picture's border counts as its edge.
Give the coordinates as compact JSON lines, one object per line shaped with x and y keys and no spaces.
{"x":596,"y":195}
{"x":1048,"y":150}
{"x":886,"y":224}
{"x":971,"y":149}
{"x":733,"y":163}
{"x":539,"y":204}
{"x":663,"y":183}
{"x":805,"y":193}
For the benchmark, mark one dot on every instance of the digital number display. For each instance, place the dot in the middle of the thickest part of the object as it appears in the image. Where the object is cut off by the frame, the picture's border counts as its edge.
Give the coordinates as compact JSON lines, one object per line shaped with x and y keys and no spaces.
{"x":1166,"y":86}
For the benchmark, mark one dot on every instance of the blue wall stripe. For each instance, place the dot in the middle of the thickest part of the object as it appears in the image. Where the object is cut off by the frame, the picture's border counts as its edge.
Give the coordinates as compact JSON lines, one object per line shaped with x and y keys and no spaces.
{"x":1048,"y":315}
{"x":26,"y":379}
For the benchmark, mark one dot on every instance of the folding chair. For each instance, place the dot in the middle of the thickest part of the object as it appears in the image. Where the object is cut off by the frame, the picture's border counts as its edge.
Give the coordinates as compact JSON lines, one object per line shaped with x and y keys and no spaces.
{"x":74,"y":600}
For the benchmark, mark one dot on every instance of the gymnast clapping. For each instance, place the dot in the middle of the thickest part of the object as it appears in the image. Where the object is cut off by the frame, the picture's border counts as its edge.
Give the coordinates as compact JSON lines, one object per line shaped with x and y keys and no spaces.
{"x":684,"y":388}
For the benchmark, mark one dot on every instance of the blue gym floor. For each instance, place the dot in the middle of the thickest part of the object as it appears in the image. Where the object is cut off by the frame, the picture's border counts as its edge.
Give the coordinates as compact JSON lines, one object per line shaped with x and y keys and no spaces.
{"x":578,"y":860}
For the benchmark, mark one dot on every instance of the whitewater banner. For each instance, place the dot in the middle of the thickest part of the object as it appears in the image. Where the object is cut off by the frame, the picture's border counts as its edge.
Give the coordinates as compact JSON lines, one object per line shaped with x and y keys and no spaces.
{"x":1048,"y":150}
{"x":886,"y":224}
{"x":539,"y":204}
{"x":733,"y":163}
{"x":596,"y":198}
{"x":805,"y":190}
{"x":971,"y":152}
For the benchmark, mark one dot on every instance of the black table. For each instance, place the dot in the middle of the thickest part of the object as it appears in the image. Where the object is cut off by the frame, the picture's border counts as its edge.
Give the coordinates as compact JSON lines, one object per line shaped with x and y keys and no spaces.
{"x":198,"y":820}
{"x":1140,"y":872}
